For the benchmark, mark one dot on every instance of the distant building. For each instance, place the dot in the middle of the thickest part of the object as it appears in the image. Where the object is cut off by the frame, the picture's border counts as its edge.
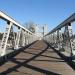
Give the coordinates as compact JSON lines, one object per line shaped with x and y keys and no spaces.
{"x":38,"y":29}
{"x":41,"y":30}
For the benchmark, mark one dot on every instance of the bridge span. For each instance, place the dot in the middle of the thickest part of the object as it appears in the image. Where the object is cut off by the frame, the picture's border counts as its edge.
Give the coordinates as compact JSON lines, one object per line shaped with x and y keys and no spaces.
{"x":22,"y":53}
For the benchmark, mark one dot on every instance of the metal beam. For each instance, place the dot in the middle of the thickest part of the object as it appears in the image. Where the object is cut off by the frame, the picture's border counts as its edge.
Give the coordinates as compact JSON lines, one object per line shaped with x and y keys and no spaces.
{"x":8,"y":18}
{"x":64,"y":23}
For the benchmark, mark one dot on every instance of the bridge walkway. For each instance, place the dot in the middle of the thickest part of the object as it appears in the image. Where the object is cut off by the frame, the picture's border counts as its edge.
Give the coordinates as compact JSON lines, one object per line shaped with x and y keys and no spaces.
{"x":37,"y":59}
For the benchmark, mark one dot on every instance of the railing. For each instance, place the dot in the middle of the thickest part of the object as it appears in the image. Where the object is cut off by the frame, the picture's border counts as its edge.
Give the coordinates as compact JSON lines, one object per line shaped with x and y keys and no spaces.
{"x":15,"y":35}
{"x":62,"y":37}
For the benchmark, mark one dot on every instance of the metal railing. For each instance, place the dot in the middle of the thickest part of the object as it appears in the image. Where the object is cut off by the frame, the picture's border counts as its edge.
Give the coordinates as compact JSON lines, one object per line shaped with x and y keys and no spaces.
{"x":62,"y":37}
{"x":15,"y":35}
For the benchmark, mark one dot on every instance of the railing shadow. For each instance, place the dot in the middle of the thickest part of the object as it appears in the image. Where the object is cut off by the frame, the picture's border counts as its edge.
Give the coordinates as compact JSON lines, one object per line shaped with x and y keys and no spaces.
{"x":6,"y":57}
{"x":43,"y":55}
{"x":25,"y":64}
{"x":68,"y":60}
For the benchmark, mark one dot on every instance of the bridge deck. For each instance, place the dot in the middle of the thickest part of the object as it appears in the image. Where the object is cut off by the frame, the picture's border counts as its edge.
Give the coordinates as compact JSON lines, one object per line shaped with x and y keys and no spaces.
{"x":38,"y":59}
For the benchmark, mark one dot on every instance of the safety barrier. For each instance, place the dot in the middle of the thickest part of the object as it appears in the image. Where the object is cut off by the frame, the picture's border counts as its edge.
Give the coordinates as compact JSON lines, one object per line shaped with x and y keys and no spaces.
{"x":62,"y":37}
{"x":15,"y":35}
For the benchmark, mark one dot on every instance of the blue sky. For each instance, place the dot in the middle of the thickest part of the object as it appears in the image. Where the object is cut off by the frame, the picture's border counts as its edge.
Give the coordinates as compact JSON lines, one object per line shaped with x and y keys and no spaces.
{"x":51,"y":12}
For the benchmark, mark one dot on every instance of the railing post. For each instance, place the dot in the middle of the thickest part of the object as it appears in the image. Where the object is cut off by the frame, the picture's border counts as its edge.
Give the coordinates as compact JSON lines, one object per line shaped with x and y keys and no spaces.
{"x":32,"y":39}
{"x":54,"y":38}
{"x":69,"y":34}
{"x":59,"y":39}
{"x":51,"y":39}
{"x":26,"y":38}
{"x":17,"y":41}
{"x":12,"y":37}
{"x":5,"y":39}
{"x":23,"y":38}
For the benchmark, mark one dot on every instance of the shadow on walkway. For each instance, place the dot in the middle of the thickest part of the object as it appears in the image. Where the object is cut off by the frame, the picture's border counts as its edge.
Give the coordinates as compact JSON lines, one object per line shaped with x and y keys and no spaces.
{"x":68,"y":60}
{"x":26,"y":61}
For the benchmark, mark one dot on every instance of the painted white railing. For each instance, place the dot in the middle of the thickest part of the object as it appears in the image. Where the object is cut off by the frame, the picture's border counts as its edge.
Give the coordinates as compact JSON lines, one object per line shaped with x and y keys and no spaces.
{"x":62,"y":37}
{"x":20,"y":38}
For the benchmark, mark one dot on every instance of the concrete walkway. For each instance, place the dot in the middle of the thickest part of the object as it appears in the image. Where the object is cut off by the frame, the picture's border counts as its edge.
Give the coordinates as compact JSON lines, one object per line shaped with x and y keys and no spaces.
{"x":38,"y":59}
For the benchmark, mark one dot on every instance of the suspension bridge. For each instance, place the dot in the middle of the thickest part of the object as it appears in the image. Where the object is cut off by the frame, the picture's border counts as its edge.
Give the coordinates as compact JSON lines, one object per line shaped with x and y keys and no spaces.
{"x":23,"y":53}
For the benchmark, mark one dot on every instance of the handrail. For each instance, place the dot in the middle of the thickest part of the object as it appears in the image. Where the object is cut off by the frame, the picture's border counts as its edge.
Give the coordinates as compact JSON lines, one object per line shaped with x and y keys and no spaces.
{"x":62,"y":36}
{"x":64,"y":23}
{"x":8,"y":18}
{"x":20,"y":40}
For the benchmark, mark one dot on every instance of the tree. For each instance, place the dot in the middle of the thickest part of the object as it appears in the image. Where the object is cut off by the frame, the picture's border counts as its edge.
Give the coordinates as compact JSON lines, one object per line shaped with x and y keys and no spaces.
{"x":30,"y":26}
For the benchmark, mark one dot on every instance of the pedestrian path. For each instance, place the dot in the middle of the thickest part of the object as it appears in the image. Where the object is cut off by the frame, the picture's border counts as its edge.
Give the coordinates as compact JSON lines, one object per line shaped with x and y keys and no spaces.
{"x":37,"y":59}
